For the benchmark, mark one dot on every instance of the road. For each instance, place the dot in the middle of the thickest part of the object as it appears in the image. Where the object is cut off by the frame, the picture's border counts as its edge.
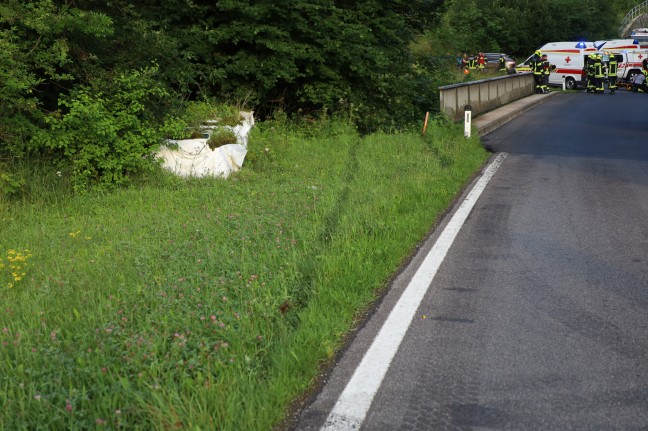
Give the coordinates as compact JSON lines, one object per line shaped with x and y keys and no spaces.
{"x":537,"y":316}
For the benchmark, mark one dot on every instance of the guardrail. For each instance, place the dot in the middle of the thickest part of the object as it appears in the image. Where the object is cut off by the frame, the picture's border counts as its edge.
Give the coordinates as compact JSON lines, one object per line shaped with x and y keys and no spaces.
{"x":484,"y":95}
{"x":631,"y":16}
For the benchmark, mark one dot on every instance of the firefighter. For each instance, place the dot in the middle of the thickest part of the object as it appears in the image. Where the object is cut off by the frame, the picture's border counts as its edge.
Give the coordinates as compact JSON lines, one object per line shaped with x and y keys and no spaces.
{"x":612,"y":73}
{"x":546,"y":70}
{"x":598,"y":74}
{"x":590,"y":73}
{"x":502,"y":63}
{"x":481,"y":62}
{"x":536,"y":68}
{"x":472,"y":62}
{"x":545,"y":73}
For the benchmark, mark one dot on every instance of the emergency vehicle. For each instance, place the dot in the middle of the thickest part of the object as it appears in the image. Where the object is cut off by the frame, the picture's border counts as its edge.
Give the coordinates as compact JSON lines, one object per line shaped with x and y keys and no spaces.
{"x":571,"y":57}
{"x":630,"y":62}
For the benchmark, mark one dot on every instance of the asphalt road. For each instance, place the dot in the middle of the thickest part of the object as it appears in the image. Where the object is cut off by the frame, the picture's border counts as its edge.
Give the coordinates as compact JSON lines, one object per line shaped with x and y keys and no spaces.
{"x":537,"y":318}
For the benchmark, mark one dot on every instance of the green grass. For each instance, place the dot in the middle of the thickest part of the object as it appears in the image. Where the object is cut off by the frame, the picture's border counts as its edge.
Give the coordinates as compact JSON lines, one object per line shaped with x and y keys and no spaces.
{"x":210,"y":304}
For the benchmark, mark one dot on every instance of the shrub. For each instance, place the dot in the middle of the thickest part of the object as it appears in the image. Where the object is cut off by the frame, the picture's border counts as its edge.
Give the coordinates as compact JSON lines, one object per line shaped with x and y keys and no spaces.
{"x":107,"y":136}
{"x":10,"y":185}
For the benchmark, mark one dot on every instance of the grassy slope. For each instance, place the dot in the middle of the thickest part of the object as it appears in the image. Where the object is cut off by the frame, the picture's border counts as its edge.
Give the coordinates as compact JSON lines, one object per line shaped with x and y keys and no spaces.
{"x":210,"y":304}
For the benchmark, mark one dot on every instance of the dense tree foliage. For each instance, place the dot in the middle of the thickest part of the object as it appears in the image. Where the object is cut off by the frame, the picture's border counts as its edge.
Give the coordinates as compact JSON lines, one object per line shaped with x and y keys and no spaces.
{"x":40,"y":59}
{"x":292,"y":55}
{"x":66,"y":59}
{"x":520,"y":26}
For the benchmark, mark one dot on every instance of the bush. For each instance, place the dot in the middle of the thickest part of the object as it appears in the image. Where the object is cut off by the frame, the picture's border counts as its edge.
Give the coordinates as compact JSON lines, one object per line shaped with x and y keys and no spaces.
{"x":107,"y":136}
{"x":10,"y":185}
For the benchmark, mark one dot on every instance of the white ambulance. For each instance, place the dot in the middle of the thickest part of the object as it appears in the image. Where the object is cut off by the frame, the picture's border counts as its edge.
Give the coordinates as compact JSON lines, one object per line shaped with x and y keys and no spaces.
{"x":630,"y":62}
{"x":571,"y":57}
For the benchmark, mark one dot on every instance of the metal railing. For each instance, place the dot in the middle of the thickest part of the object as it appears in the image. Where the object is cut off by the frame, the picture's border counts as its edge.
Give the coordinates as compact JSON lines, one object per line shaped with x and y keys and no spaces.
{"x":634,"y":13}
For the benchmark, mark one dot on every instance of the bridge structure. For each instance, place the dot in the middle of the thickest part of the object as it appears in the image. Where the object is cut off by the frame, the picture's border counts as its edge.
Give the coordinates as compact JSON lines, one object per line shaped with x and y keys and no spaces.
{"x":636,"y":18}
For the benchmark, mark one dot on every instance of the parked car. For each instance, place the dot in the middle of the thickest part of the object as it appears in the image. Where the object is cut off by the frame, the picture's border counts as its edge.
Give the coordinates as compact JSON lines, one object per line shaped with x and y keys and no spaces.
{"x":493,"y":60}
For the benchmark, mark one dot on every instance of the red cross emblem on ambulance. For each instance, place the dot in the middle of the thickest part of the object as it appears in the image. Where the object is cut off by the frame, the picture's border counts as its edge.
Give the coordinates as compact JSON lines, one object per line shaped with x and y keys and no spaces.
{"x":640,"y":56}
{"x":567,"y":60}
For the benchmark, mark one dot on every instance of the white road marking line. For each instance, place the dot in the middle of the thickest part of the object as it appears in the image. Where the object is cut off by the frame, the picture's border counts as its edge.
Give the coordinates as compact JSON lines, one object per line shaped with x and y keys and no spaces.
{"x":354,"y":402}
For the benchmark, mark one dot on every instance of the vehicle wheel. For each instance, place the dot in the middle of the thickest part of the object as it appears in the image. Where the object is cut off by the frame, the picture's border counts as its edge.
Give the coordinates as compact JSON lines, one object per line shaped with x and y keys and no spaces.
{"x":570,"y":83}
{"x":632,"y":74}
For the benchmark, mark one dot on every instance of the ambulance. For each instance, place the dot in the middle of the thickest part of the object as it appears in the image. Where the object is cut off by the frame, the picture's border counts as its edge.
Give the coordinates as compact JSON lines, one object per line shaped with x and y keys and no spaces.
{"x":630,"y":62}
{"x":571,"y":57}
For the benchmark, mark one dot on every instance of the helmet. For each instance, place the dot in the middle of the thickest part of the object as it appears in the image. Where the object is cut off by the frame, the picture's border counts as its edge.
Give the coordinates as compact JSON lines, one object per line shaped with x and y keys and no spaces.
{"x":538,"y":52}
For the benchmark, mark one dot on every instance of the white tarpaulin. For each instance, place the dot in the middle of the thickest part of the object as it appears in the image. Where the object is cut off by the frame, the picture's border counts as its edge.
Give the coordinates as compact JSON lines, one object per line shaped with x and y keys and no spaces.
{"x":194,"y":158}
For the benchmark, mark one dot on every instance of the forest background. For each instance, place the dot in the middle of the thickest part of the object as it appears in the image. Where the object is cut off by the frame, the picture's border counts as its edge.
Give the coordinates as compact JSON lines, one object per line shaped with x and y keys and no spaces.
{"x":95,"y":85}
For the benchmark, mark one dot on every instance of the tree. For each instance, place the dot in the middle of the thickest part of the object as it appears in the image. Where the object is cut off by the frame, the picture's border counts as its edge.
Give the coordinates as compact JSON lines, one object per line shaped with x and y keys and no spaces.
{"x":520,"y":26}
{"x":37,"y":41}
{"x":315,"y":55}
{"x":295,"y":55}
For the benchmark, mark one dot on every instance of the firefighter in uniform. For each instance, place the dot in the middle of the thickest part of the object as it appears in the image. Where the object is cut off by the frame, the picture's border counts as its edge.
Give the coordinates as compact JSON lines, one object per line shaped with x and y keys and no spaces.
{"x":612,"y":73}
{"x":536,"y":68}
{"x":472,"y":62}
{"x":547,"y":68}
{"x":502,"y":63}
{"x":598,"y":74}
{"x":589,"y":70}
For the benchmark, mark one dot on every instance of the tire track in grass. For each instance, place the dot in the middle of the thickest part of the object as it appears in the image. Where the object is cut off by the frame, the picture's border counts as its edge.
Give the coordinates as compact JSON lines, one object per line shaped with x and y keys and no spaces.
{"x":331,"y":223}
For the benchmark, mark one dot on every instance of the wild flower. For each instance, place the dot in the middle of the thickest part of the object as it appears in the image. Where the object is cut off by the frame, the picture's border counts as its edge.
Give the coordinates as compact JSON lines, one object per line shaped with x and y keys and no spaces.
{"x":17,"y":265}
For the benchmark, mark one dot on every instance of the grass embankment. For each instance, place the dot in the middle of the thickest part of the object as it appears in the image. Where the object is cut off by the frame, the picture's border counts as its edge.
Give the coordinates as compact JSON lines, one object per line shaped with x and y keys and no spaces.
{"x":210,"y":304}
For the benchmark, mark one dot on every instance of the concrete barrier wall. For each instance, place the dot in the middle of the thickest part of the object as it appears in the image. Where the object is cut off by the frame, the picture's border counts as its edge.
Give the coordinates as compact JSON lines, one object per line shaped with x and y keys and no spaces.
{"x":484,"y":95}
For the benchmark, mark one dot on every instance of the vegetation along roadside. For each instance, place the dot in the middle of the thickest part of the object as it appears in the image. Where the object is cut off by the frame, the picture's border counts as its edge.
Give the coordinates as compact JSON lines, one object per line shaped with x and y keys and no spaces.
{"x":206,"y":303}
